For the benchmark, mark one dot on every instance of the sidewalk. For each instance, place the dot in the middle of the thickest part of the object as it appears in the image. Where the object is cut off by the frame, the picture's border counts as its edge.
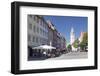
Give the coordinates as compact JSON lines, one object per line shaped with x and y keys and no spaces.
{"x":71,"y":55}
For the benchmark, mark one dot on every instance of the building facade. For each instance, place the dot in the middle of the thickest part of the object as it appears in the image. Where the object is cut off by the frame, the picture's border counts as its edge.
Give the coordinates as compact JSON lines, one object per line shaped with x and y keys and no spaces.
{"x":37,"y":31}
{"x":50,"y":33}
{"x":81,"y":37}
{"x":63,"y":43}
{"x":55,"y":38}
{"x":72,"y":36}
{"x":58,"y":41}
{"x":72,"y":39}
{"x":42,"y":32}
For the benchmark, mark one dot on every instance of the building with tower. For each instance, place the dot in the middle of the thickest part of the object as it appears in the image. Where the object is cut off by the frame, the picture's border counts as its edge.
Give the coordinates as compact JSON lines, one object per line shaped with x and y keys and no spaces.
{"x":72,"y":39}
{"x":72,"y":36}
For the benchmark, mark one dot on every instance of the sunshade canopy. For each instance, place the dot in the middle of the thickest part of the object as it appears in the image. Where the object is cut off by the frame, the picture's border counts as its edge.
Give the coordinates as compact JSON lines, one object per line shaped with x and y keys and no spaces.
{"x":44,"y":47}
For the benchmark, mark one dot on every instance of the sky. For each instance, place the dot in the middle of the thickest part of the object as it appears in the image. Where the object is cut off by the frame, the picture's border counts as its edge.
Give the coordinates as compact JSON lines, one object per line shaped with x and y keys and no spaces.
{"x":64,"y":24}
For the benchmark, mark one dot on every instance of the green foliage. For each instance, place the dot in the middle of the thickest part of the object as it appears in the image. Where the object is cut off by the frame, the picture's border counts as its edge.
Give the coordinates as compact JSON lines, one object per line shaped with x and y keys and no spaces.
{"x":69,"y":46}
{"x":76,"y":43}
{"x":85,"y":38}
{"x":84,"y":42}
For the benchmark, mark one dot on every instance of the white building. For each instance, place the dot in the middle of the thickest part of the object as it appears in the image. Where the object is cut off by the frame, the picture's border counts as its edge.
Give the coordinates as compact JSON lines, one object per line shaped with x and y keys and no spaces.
{"x":50,"y":33}
{"x":72,"y":36}
{"x":81,"y":36}
{"x":72,"y":39}
{"x":37,"y":31}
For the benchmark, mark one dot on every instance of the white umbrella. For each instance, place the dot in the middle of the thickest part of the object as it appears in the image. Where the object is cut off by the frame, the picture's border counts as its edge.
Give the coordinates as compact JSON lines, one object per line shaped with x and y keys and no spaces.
{"x":44,"y":47}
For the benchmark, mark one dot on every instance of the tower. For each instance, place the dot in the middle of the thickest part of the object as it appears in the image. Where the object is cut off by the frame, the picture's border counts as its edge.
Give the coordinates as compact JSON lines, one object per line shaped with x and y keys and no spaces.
{"x":72,"y":36}
{"x":72,"y":39}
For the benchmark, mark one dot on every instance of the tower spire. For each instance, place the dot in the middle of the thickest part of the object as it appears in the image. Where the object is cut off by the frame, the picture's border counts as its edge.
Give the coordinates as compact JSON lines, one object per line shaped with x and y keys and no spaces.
{"x":72,"y":36}
{"x":72,"y":30}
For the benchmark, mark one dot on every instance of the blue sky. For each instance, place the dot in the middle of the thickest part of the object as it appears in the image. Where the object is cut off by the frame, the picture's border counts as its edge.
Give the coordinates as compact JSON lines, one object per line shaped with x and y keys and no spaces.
{"x":64,"y":23}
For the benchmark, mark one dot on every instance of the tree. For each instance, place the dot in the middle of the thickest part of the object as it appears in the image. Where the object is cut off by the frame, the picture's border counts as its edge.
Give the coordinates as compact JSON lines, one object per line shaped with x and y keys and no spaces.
{"x":76,"y":43}
{"x":84,"y":42}
{"x":69,"y":47}
{"x":85,"y":38}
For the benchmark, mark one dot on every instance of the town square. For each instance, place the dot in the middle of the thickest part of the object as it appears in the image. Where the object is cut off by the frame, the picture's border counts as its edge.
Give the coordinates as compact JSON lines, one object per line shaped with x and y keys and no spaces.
{"x":57,"y":37}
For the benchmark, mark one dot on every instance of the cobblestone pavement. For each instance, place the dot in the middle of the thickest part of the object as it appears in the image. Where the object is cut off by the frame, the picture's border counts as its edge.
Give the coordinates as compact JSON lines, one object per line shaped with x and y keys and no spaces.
{"x":71,"y":55}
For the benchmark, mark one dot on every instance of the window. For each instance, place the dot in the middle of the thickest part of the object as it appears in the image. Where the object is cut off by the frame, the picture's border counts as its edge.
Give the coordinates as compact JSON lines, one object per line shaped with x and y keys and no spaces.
{"x":42,"y":23}
{"x":43,"y":32}
{"x":46,"y":34}
{"x":40,"y":40}
{"x":37,"y":30}
{"x":33,"y":39}
{"x":45,"y":26}
{"x":30,"y":16}
{"x":29,"y":37}
{"x":39,"y":21}
{"x":40,"y":31}
{"x":30,"y":26}
{"x":37,"y":39}
{"x":35,"y":18}
{"x":34,"y":28}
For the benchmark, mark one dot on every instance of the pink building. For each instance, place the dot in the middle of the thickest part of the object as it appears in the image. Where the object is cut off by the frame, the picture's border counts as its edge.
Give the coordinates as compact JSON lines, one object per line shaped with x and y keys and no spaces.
{"x":81,"y":36}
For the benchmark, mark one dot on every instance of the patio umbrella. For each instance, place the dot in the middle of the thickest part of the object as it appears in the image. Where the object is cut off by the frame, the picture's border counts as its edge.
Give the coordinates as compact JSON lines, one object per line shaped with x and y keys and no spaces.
{"x":44,"y":47}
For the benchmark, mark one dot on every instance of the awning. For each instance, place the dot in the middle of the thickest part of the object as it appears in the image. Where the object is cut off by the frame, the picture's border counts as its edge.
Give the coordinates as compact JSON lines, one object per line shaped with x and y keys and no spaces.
{"x":44,"y":47}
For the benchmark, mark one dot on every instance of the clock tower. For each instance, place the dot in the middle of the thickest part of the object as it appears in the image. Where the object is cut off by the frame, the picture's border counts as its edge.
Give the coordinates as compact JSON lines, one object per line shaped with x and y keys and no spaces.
{"x":72,"y":39}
